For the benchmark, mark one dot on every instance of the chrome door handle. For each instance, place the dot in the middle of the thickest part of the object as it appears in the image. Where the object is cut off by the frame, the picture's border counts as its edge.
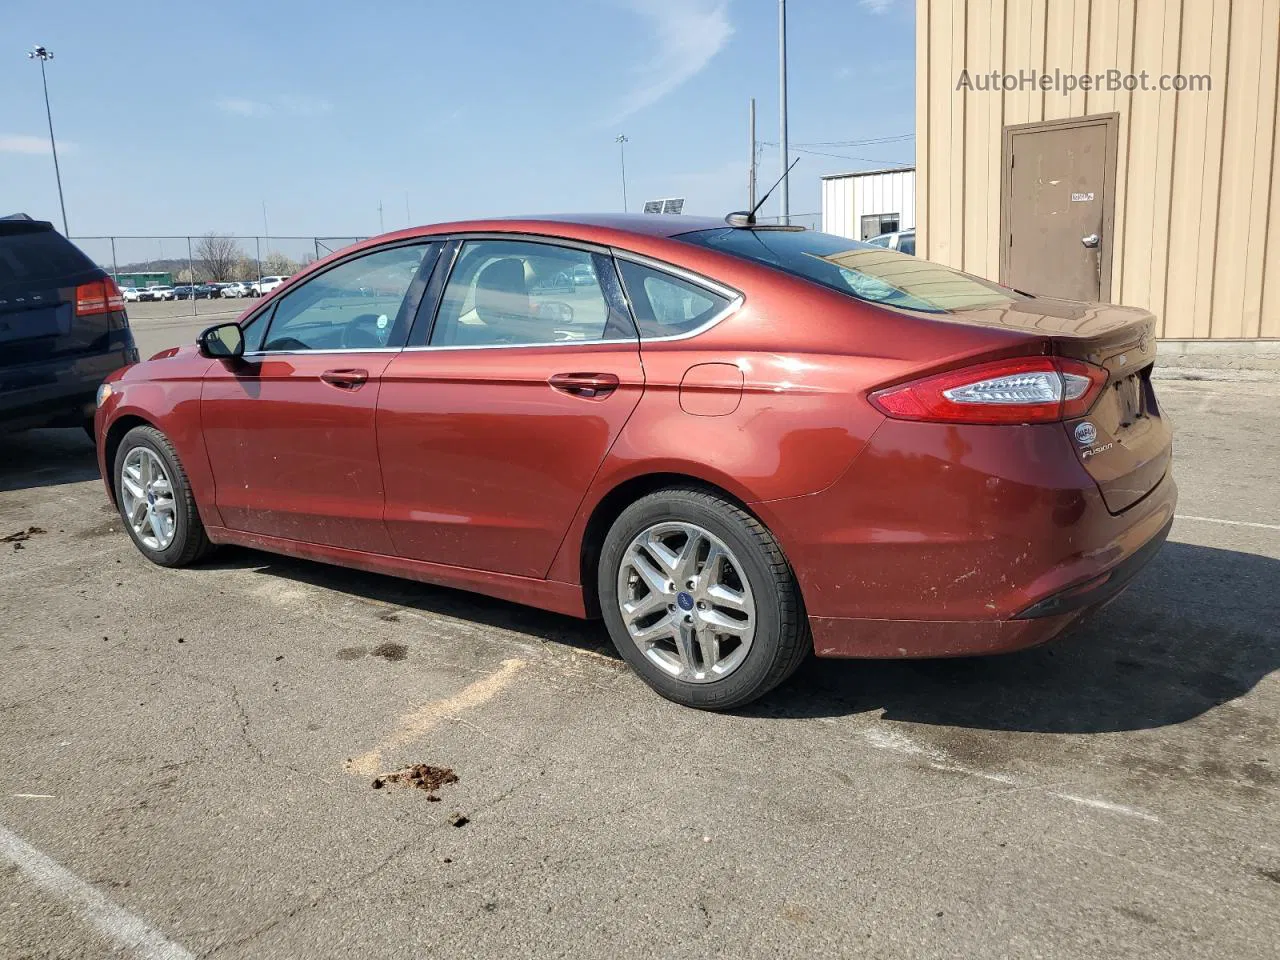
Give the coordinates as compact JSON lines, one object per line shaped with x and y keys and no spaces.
{"x":1092,"y":240}
{"x":589,"y":385}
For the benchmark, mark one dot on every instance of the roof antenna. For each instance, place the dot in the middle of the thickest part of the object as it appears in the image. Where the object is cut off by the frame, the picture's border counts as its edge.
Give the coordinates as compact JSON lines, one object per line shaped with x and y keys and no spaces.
{"x":741,"y":218}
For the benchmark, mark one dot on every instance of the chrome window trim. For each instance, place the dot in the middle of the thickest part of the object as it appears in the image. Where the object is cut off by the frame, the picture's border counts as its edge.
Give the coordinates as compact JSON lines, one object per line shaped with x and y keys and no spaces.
{"x":697,"y":279}
{"x":516,"y":346}
{"x":736,"y":297}
{"x":307,"y":353}
{"x":533,"y":238}
{"x":731,"y":307}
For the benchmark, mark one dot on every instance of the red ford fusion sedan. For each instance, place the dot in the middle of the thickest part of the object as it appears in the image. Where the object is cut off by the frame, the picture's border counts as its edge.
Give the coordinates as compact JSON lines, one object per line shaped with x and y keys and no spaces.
{"x":734,"y":443}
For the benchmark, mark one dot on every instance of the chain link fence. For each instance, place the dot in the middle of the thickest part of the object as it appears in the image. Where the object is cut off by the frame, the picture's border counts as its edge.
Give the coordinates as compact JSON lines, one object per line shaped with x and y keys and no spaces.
{"x":203,"y":258}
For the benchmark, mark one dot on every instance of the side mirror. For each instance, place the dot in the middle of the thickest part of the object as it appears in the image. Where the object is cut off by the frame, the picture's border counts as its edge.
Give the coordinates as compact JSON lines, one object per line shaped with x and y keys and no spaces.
{"x":223,"y":342}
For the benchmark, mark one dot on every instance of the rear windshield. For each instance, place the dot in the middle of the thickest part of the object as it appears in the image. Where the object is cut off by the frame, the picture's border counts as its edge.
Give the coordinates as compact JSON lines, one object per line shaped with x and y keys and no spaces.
{"x":861,"y":270}
{"x":36,"y":257}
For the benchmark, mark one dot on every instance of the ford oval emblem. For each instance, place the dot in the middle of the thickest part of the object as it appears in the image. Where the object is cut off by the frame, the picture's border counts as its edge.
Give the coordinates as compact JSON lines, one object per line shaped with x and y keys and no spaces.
{"x":1086,"y":433}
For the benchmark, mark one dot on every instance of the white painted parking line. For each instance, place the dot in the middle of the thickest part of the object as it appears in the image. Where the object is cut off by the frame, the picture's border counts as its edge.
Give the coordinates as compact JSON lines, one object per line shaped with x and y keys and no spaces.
{"x":1107,"y":805}
{"x":895,"y":741}
{"x":132,"y":933}
{"x":416,"y":725}
{"x":1230,"y":523}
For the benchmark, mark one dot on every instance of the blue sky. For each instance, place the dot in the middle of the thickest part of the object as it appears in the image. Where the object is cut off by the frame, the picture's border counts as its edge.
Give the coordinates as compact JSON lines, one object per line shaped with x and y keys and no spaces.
{"x":174,"y":118}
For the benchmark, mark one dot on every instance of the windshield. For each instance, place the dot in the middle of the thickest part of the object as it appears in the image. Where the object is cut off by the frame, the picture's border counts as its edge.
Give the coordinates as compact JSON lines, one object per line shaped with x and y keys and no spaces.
{"x":861,"y":270}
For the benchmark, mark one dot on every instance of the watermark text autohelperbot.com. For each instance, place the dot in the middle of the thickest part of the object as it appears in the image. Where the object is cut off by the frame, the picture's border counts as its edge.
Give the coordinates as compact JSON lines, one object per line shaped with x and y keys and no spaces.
{"x":1056,"y":81}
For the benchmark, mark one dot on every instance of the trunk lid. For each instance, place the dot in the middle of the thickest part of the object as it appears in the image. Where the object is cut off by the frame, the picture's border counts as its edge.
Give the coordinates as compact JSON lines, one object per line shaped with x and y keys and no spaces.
{"x":1124,"y":442}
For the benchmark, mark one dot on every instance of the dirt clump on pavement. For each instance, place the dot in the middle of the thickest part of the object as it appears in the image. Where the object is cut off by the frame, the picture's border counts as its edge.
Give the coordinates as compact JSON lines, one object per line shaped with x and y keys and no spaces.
{"x":420,"y":776}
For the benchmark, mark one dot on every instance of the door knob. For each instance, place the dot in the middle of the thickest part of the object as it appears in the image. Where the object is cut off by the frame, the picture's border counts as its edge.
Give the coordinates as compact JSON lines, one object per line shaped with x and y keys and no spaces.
{"x":1092,"y":240}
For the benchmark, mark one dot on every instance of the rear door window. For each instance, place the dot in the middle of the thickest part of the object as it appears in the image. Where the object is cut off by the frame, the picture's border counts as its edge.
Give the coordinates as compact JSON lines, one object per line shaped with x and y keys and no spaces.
{"x":526,"y":293}
{"x":665,"y":305}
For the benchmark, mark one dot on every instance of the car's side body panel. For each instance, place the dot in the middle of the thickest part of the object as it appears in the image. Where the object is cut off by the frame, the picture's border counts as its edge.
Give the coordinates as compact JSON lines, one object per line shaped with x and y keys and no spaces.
{"x":295,"y":456}
{"x":166,"y":394}
{"x":484,"y":461}
{"x":550,"y":595}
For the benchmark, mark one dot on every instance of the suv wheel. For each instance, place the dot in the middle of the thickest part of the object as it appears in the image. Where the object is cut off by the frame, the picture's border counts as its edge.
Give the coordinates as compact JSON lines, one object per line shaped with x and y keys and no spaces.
{"x":699,"y":599}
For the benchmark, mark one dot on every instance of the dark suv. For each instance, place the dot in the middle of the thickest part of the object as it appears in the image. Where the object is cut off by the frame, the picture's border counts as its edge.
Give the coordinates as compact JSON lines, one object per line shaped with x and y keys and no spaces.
{"x":62,"y":328}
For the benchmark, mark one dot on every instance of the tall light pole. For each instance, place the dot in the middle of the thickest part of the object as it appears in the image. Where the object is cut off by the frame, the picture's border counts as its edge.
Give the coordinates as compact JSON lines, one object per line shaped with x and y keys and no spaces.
{"x":621,"y":141}
{"x":782,"y":108}
{"x":44,"y":54}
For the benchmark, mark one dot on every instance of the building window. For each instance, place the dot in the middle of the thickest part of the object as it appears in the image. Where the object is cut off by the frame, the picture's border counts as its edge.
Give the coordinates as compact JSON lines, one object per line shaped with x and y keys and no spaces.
{"x":877,"y":223}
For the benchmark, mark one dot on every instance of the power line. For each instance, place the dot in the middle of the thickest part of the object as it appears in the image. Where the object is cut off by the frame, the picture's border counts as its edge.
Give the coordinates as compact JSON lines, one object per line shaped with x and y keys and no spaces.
{"x":858,"y":143}
{"x":844,"y":156}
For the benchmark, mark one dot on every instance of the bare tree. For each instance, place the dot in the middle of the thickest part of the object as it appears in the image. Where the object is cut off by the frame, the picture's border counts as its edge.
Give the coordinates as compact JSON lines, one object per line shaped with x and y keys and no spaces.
{"x":218,"y":254}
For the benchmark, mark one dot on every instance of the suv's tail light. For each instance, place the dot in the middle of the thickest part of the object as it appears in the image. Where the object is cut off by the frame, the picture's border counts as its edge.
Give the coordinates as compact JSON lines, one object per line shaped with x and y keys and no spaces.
{"x":100,"y":296}
{"x":1021,"y":390}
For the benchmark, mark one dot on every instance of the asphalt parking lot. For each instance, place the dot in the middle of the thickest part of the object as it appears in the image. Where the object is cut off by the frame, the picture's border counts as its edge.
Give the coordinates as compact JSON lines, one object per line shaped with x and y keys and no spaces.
{"x":187,"y":758}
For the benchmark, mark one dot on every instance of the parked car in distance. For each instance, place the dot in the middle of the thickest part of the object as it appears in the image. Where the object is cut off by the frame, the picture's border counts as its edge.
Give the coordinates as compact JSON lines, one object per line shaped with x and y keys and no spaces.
{"x":904,"y":241}
{"x":235,"y":290}
{"x":206,"y":291}
{"x":62,"y":328}
{"x":131,"y":294}
{"x":740,"y":445}
{"x":160,"y":292}
{"x":267,"y":284}
{"x":583,"y":275}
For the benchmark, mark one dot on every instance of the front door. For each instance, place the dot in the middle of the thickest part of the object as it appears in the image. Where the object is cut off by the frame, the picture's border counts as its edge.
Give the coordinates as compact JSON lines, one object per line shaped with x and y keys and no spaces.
{"x":493,"y":426}
{"x":1056,"y":208}
{"x":289,"y":428}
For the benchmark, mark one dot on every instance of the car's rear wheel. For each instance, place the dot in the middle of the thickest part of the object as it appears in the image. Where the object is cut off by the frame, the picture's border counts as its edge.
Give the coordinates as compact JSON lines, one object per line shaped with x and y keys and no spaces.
{"x":155,"y":500}
{"x":700,"y":600}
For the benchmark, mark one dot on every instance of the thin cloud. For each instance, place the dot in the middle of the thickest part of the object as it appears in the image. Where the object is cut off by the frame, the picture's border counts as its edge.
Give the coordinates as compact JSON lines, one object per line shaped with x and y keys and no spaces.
{"x":286,"y":104}
{"x":23,"y":143}
{"x":877,"y":6}
{"x":243,"y":108}
{"x":687,"y":34}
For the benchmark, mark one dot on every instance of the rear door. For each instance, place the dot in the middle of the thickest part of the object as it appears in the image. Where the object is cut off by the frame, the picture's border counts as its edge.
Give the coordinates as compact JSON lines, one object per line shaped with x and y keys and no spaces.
{"x":289,"y":428}
{"x":493,"y":421}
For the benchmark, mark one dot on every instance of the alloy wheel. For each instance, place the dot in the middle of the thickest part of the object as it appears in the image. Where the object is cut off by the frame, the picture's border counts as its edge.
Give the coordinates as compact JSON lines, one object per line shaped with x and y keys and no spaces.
{"x":686,"y":601}
{"x":146,"y":496}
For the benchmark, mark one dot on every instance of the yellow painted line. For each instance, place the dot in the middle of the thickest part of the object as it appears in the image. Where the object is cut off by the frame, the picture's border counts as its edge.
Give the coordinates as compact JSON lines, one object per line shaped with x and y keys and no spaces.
{"x":417,"y":724}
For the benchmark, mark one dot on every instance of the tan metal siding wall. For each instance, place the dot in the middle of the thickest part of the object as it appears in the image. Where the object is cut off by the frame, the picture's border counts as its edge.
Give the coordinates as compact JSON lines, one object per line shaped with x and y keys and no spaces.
{"x":1197,"y":208}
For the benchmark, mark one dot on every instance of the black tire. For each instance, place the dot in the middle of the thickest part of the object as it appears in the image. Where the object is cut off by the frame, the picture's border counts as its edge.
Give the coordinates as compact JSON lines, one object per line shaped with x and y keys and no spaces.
{"x":190,"y":542}
{"x":781,"y":641}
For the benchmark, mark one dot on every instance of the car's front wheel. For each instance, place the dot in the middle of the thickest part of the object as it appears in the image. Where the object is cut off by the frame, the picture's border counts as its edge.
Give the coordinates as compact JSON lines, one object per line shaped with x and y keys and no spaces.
{"x":700,"y":600}
{"x":155,"y":500}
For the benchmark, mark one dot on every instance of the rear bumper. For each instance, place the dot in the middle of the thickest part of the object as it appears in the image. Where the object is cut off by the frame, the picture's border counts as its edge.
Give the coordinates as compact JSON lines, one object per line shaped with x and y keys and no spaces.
{"x":57,"y":392}
{"x":954,"y":541}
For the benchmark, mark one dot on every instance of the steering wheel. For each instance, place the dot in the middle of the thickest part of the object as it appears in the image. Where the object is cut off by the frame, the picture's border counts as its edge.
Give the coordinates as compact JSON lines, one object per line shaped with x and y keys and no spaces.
{"x":367,"y":331}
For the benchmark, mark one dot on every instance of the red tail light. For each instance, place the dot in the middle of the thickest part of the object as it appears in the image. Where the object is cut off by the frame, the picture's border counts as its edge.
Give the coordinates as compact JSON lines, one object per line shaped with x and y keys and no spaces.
{"x":101,"y":296}
{"x":1021,"y":390}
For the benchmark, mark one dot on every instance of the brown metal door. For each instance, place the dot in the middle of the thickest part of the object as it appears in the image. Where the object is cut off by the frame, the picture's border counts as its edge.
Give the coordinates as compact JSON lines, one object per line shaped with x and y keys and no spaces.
{"x":1057,"y":208}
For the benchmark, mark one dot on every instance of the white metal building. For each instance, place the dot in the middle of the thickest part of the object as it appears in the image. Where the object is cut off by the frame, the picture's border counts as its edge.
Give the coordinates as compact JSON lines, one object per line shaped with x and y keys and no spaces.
{"x":862,"y":205}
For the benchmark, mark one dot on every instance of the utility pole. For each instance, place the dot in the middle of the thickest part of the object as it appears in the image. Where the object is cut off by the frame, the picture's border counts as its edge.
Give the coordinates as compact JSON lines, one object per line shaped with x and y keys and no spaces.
{"x":381,"y":227}
{"x":782,"y":108}
{"x":43,"y":54}
{"x":621,"y":141}
{"x":751,"y":168}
